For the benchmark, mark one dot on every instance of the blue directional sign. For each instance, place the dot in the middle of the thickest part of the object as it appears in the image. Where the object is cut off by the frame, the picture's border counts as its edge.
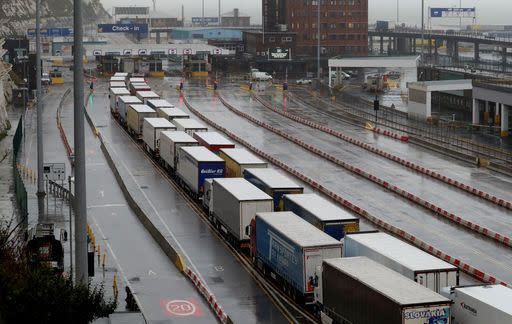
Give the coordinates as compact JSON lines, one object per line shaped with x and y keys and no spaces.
{"x":123,"y":28}
{"x":51,"y":32}
{"x":452,"y":12}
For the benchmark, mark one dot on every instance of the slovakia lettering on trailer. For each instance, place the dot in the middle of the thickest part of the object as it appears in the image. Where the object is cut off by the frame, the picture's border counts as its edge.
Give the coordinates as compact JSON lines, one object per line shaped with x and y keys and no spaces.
{"x":426,"y":313}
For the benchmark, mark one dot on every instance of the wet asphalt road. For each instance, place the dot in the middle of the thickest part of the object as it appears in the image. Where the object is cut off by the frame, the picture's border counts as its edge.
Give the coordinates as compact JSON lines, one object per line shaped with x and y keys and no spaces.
{"x":135,"y":256}
{"x":235,"y":289}
{"x":469,"y":247}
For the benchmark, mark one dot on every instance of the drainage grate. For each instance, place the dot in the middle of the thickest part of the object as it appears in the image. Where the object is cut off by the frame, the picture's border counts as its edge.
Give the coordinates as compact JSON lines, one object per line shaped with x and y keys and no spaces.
{"x":144,"y":187}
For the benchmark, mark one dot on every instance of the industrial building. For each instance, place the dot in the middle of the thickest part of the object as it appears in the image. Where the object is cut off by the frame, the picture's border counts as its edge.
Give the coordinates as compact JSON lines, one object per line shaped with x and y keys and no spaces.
{"x":235,"y":19}
{"x":343,"y":25}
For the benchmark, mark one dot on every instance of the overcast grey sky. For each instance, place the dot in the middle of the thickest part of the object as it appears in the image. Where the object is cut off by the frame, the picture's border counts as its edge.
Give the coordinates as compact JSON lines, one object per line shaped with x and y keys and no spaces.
{"x":488,"y":11}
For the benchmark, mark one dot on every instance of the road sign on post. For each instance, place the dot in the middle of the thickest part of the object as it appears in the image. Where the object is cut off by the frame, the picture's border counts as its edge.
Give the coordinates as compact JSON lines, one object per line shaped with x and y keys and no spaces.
{"x":54,"y":171}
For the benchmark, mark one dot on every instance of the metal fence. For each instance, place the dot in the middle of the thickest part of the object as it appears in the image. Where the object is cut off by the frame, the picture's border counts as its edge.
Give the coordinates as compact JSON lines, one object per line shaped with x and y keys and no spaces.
{"x":460,"y":137}
{"x":19,"y":187}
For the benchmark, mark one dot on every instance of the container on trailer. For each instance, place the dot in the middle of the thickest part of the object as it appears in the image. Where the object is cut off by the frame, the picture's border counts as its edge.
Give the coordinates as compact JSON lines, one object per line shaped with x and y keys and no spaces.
{"x":171,"y":113}
{"x":274,"y":183}
{"x":135,"y":87}
{"x":189,"y":125}
{"x":135,"y":118}
{"x":116,"y":84}
{"x":322,"y":213}
{"x":197,"y":163}
{"x":114,"y":95}
{"x":292,"y":249}
{"x":152,"y":129}
{"x":360,"y":290}
{"x":403,"y":258}
{"x":117,"y":79}
{"x":136,"y":80}
{"x":481,"y":304}
{"x":144,"y":96}
{"x":121,"y":74}
{"x":123,"y":102}
{"x":236,"y":202}
{"x":159,"y":103}
{"x":239,"y":159}
{"x":170,"y":143}
{"x":213,"y":141}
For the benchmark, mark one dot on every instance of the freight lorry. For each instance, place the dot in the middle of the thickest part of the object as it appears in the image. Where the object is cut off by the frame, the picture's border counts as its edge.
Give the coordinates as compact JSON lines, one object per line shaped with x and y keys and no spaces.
{"x":273,"y":183}
{"x":116,"y":84}
{"x":136,"y":80}
{"x":159,"y":103}
{"x":213,"y":141}
{"x":114,"y":95}
{"x":171,"y":113}
{"x":170,"y":143}
{"x":480,"y":304}
{"x":195,"y":164}
{"x":322,"y":213}
{"x":136,"y":87}
{"x":235,"y":202}
{"x":239,"y":159}
{"x":152,"y":129}
{"x":404,"y":258}
{"x":144,"y":96}
{"x":360,"y":290}
{"x":189,"y":125}
{"x":117,"y":79}
{"x":135,"y":118}
{"x":123,"y":102}
{"x":290,"y":250}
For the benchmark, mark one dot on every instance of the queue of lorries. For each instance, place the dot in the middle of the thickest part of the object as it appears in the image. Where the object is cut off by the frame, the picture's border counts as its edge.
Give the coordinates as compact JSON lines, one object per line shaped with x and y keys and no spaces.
{"x":308,"y":246}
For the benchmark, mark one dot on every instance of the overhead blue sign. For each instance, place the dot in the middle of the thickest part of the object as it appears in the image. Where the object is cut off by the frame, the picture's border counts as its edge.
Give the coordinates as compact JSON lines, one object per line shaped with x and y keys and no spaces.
{"x":51,"y":32}
{"x":452,"y":12}
{"x":207,"y":20}
{"x":123,"y":28}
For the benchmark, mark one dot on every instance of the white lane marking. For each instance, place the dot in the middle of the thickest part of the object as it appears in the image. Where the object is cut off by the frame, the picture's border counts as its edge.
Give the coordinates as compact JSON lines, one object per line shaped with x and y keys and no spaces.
{"x":102,"y":193}
{"x":163,"y":222}
{"x":151,"y":273}
{"x":116,"y":260}
{"x":107,"y":206}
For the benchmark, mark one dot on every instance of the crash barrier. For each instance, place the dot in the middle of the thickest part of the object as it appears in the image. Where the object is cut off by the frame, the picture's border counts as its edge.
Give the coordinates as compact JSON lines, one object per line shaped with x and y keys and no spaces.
{"x":388,"y":133}
{"x":67,"y":146}
{"x":466,"y":268}
{"x":148,"y":219}
{"x":418,"y":168}
{"x":403,"y":193}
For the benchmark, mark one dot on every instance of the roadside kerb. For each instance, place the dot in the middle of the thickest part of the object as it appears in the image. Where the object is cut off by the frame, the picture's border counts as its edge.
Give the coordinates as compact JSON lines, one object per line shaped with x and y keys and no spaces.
{"x":67,"y":146}
{"x":466,"y":268}
{"x":413,"y":166}
{"x":148,"y":219}
{"x":401,"y":192}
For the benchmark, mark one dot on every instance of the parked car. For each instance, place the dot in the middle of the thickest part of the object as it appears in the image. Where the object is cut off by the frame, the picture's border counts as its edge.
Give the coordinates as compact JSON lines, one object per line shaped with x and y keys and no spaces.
{"x":45,"y":79}
{"x":304,"y":81}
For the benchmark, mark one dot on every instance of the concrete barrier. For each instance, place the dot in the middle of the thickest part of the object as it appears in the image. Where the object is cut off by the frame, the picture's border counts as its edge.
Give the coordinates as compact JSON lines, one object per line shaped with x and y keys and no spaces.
{"x":466,"y":268}
{"x":413,"y":166}
{"x":149,"y":219}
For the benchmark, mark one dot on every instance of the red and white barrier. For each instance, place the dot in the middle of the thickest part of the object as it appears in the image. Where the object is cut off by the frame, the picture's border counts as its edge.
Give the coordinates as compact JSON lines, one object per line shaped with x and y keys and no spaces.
{"x":403,"y":193}
{"x":466,"y":268}
{"x":212,"y":301}
{"x":413,"y":166}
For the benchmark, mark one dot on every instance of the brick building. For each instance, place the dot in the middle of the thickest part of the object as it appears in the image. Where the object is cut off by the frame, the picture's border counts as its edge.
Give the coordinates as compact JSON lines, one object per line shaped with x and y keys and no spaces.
{"x":343,"y":25}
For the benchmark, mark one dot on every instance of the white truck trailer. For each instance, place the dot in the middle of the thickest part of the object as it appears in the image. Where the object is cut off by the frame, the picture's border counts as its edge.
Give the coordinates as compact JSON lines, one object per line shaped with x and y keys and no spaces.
{"x":123,"y":102}
{"x":170,"y":143}
{"x":235,"y":204}
{"x":189,"y":125}
{"x":404,"y":258}
{"x":480,"y":304}
{"x":114,"y":95}
{"x":152,"y":129}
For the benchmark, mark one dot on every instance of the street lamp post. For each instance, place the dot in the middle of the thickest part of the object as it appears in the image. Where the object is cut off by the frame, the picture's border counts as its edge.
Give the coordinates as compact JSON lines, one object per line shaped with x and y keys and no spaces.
{"x":318,"y":41}
{"x":40,"y":152}
{"x":422,"y":26}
